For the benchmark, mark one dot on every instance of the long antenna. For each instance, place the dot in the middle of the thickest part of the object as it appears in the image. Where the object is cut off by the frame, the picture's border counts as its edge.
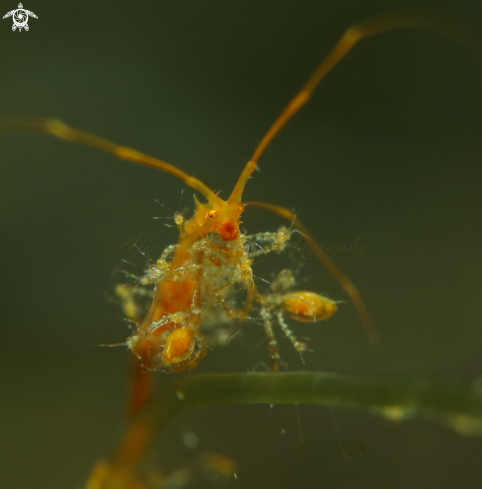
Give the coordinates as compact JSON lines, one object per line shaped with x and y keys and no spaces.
{"x":406,"y":19}
{"x":60,"y":130}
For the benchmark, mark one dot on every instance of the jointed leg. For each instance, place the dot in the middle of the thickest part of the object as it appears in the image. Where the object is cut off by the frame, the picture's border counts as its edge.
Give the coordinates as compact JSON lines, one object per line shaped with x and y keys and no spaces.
{"x":231,"y":313}
{"x":269,"y":242}
{"x":299,"y":346}
{"x":272,"y":343}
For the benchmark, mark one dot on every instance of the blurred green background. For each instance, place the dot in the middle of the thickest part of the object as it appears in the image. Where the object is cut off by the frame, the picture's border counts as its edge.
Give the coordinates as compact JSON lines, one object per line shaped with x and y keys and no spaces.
{"x":390,"y":149}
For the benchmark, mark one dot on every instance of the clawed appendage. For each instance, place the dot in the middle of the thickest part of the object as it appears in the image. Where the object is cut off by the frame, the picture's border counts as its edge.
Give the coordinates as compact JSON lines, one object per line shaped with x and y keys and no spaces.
{"x":217,"y":288}
{"x":302,"y":306}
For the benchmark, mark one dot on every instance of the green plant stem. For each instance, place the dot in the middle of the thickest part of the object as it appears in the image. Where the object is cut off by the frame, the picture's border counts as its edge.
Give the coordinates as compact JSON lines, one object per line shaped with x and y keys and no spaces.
{"x":453,"y":403}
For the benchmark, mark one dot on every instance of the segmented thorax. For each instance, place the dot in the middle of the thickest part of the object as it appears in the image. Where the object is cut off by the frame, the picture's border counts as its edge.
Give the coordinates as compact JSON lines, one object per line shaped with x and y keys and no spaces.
{"x":198,"y":274}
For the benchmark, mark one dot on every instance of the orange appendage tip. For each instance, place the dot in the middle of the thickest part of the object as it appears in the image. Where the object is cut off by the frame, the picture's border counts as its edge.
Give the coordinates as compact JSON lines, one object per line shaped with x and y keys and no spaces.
{"x":309,"y":307}
{"x":180,"y":345}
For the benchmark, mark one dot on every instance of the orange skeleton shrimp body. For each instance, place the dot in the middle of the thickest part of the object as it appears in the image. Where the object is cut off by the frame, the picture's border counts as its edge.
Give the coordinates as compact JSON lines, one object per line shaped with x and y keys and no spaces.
{"x":212,"y":256}
{"x":169,"y":337}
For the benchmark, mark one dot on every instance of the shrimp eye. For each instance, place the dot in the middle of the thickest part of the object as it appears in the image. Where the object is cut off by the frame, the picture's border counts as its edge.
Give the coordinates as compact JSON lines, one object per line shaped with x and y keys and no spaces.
{"x":211,"y":214}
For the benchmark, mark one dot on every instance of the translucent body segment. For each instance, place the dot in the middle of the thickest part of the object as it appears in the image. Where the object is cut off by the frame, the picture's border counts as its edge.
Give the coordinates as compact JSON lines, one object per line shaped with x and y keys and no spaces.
{"x":299,"y":345}
{"x":271,"y":339}
{"x":263,"y":243}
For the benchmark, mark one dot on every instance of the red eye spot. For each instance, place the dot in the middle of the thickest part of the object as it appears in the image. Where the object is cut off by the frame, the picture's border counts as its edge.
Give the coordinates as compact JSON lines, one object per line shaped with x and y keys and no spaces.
{"x":211,"y":214}
{"x":228,"y":231}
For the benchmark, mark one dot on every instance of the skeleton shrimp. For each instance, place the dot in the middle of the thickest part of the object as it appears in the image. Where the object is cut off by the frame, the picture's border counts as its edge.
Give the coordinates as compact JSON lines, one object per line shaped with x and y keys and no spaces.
{"x":212,"y":260}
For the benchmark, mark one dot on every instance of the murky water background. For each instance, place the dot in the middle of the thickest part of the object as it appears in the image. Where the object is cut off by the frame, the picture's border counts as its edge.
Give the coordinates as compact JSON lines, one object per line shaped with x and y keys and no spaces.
{"x":390,"y":150}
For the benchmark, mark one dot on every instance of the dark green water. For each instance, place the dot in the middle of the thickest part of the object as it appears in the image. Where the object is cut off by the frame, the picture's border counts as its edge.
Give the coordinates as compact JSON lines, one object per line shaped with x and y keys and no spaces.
{"x":390,"y":149}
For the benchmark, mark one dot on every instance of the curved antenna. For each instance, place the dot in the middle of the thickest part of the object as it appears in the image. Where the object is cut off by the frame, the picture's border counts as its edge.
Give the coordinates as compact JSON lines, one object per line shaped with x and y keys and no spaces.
{"x":416,"y":19}
{"x":60,"y":130}
{"x":337,"y":274}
